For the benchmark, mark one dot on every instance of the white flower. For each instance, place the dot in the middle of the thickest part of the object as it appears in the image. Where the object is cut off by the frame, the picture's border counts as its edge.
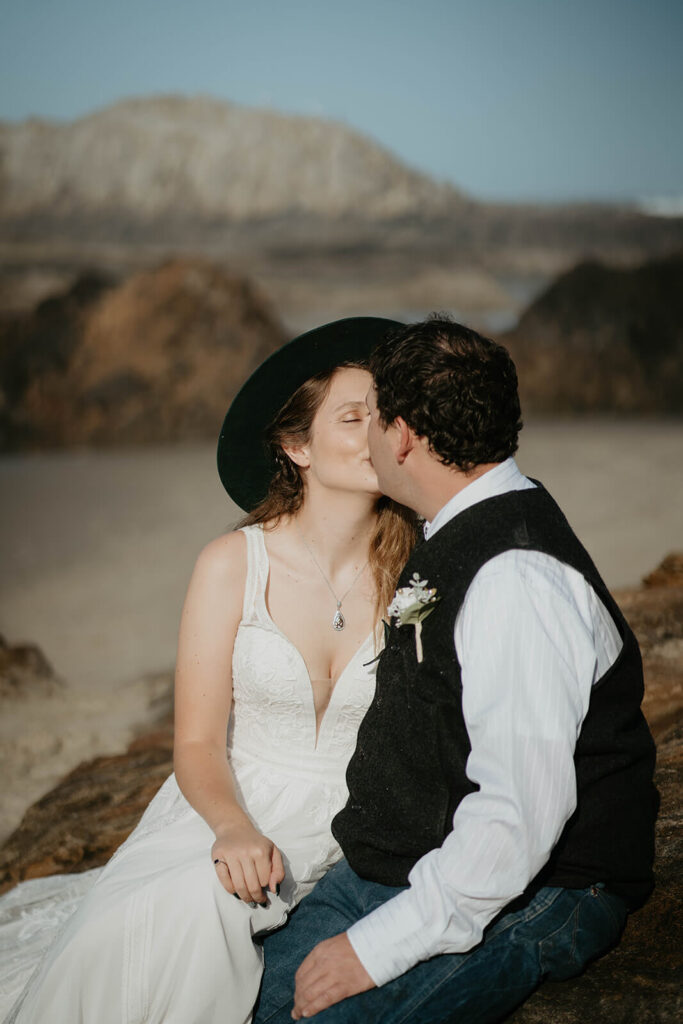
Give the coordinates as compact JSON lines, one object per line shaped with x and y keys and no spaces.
{"x":411,"y":605}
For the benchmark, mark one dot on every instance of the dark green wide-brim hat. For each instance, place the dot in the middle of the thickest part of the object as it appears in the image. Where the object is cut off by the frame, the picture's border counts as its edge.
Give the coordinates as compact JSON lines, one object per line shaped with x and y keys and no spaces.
{"x":245,"y":465}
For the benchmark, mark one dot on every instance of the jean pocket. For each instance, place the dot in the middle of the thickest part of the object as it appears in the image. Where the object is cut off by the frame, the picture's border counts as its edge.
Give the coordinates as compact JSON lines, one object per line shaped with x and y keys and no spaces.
{"x":613,"y":904}
{"x":590,"y":926}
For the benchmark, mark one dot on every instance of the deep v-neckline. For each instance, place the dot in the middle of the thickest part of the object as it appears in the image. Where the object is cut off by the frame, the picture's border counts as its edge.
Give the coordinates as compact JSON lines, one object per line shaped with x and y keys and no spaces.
{"x":310,"y":698}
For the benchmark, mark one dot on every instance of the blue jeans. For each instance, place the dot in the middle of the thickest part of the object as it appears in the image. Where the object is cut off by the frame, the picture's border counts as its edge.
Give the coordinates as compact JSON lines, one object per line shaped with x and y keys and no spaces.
{"x":553,"y":935}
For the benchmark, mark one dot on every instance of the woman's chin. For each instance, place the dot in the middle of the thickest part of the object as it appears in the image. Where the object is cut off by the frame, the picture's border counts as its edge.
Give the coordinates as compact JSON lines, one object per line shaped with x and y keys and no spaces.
{"x":372,"y":484}
{"x":370,"y":490}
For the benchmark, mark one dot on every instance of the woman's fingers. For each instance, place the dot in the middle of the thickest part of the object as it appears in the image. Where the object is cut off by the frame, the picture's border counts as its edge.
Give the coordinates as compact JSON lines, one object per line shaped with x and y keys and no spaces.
{"x":253,"y":882}
{"x":262,"y":864}
{"x":245,"y":880}
{"x":239,"y":882}
{"x":231,"y":877}
{"x":277,"y":870}
{"x":224,"y":876}
{"x":248,"y":869}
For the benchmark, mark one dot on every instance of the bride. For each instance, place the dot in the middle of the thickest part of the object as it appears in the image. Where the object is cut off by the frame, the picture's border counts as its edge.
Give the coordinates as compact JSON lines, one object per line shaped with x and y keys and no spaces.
{"x":277,"y":644}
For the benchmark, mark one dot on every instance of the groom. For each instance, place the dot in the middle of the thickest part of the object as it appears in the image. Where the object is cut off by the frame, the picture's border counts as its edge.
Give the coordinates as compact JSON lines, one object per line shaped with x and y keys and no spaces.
{"x":501,"y":812}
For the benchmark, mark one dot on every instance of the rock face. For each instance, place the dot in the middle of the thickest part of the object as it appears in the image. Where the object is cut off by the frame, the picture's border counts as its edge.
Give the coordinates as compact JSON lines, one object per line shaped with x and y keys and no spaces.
{"x":80,"y":823}
{"x":155,"y":358}
{"x":48,"y":728}
{"x":604,"y":339}
{"x":25,"y":672}
{"x":148,"y":159}
{"x":668,"y":574}
{"x":640,"y":979}
{"x":192,"y":171}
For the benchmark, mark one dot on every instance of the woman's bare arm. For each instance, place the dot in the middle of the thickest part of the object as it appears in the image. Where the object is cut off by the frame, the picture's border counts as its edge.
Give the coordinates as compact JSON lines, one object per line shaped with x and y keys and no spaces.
{"x":249,"y":862}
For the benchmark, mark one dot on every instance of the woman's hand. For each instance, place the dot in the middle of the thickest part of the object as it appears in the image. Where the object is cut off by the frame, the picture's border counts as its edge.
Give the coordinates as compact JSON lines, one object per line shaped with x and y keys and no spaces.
{"x":248,"y":862}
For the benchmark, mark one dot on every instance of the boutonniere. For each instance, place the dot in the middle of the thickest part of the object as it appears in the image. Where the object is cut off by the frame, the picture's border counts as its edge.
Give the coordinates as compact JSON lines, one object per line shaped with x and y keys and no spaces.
{"x":412,"y":605}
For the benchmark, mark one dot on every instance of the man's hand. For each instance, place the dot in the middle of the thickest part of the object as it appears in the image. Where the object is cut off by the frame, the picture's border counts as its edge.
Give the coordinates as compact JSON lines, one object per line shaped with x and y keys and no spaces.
{"x":331,"y":972}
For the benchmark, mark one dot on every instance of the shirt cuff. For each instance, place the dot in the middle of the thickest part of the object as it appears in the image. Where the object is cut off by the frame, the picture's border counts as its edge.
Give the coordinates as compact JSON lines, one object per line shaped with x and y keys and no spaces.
{"x":388,"y":941}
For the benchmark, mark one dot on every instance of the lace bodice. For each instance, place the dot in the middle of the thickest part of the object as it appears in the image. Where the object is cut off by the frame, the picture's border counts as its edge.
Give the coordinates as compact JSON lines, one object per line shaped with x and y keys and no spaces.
{"x":273,"y":708}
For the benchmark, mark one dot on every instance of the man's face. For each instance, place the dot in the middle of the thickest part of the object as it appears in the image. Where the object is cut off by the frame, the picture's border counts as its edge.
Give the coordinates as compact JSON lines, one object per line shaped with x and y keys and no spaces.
{"x":381,"y":447}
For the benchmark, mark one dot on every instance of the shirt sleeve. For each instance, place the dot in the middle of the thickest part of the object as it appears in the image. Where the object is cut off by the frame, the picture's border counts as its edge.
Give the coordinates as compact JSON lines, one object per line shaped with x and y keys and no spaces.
{"x":527,"y":650}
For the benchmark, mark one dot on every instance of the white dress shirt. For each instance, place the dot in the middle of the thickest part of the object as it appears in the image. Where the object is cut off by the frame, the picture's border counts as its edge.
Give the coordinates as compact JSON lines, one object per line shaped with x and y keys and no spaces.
{"x":531,"y":637}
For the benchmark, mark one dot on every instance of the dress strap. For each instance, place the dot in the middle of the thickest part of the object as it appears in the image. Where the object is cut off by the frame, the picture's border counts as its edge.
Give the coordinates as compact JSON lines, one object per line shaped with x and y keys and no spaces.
{"x":257,"y":573}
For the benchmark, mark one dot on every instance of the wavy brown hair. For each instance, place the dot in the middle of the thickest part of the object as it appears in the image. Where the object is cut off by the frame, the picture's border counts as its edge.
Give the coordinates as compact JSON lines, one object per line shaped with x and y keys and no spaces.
{"x":395,"y":530}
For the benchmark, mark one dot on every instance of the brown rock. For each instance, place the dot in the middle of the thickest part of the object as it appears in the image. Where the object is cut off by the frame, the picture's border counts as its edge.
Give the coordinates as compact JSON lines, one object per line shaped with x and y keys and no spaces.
{"x":36,"y":350}
{"x":640,"y":980}
{"x":80,"y":823}
{"x":25,"y":672}
{"x":157,"y":357}
{"x":669,"y":573}
{"x":604,"y":339}
{"x":655,"y":613}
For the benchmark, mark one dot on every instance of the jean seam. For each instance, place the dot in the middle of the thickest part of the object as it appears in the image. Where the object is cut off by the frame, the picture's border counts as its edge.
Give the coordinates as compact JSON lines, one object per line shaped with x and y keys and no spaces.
{"x":575,"y":925}
{"x":572,"y":913}
{"x":427,"y":995}
{"x":523,"y":917}
{"x":607,"y":904}
{"x":547,"y":903}
{"x":548,"y":939}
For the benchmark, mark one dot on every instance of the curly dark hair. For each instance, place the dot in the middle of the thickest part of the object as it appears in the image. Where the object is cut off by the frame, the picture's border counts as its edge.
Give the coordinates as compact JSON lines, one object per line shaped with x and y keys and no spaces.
{"x":452,"y":386}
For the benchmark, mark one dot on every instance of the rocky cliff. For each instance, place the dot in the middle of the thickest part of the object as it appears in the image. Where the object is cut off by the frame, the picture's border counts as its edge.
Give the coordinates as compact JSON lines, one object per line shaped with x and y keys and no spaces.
{"x":211,"y":176}
{"x":604,"y":339}
{"x":196,"y":158}
{"x":155,"y":357}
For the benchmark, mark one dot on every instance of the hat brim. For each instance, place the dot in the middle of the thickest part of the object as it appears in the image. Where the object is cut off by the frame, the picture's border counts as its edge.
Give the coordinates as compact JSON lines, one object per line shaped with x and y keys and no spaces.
{"x":244,"y":462}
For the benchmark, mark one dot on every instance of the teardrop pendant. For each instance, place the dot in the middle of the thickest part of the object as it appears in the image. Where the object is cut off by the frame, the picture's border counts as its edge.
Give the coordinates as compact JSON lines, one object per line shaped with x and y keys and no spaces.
{"x":338,"y":622}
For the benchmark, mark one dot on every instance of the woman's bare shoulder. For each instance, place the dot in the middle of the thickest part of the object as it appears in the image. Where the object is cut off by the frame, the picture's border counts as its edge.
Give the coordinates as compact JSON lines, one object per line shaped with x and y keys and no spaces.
{"x":224,"y":560}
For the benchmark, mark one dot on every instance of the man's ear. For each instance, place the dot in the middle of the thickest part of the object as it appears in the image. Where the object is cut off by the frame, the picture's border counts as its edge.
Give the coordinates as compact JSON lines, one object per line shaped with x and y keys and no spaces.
{"x":299,"y":454}
{"x":406,"y":439}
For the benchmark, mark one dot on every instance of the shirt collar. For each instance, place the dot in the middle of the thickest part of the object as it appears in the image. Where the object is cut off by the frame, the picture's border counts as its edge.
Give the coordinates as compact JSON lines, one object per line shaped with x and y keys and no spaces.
{"x":504,"y":477}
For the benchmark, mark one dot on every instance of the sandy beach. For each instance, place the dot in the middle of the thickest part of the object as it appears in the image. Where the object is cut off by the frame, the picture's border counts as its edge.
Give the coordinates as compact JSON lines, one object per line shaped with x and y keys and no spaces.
{"x":97,"y":549}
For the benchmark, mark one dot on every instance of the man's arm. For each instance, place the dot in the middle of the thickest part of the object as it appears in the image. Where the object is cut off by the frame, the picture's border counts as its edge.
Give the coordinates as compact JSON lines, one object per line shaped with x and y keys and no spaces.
{"x":526,"y":641}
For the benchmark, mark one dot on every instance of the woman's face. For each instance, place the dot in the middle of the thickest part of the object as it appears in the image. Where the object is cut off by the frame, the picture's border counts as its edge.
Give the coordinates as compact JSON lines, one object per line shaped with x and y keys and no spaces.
{"x":337,"y":455}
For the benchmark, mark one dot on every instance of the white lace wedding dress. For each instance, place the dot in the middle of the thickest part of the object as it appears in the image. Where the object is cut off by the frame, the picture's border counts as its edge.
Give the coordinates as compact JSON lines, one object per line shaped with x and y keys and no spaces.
{"x":153,"y":937}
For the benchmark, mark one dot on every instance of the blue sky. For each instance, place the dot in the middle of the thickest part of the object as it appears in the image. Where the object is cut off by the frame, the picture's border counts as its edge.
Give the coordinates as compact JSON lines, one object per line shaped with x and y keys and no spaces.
{"x":509,"y":99}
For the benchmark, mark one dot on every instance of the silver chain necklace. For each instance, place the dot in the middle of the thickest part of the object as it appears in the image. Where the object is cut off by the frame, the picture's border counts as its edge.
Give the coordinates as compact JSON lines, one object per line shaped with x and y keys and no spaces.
{"x":338,"y":622}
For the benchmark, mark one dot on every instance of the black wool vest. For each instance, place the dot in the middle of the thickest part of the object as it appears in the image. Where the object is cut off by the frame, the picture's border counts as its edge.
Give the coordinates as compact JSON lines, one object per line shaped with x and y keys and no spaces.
{"x":407,"y":775}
